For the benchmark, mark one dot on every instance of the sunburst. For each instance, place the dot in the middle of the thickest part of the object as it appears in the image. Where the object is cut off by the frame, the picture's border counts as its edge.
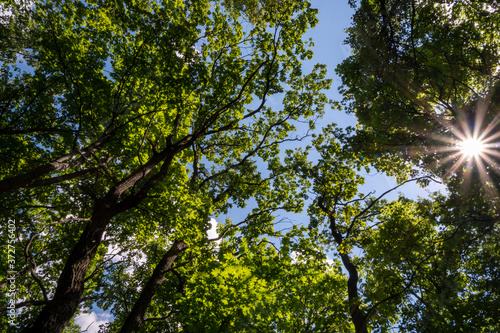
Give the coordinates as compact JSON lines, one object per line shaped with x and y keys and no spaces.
{"x":473,"y":148}
{"x":475,"y":145}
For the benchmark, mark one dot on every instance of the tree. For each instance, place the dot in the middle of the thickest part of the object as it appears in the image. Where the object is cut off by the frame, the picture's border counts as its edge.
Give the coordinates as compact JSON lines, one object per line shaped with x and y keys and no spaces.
{"x":422,"y":77}
{"x":417,"y":265}
{"x":251,"y":286}
{"x":125,"y":126}
{"x":344,"y":219}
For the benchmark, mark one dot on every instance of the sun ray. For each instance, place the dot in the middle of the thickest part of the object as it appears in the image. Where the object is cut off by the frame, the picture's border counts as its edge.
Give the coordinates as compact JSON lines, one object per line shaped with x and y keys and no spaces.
{"x":472,"y":147}
{"x":491,"y":162}
{"x":490,"y":191}
{"x":467,"y":144}
{"x":455,"y":166}
{"x":479,"y":117}
{"x":492,"y":125}
{"x":492,"y":152}
{"x":487,"y":138}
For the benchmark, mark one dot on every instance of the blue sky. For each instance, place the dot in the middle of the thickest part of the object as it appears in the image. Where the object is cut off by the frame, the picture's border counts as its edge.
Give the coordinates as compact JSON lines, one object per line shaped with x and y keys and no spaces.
{"x":328,"y":36}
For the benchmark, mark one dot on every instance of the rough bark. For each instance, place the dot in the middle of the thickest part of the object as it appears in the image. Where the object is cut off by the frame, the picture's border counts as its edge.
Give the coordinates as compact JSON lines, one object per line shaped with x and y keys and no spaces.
{"x":135,"y":318}
{"x":70,"y":286}
{"x":56,"y":314}
{"x":358,"y":317}
{"x":32,"y":177}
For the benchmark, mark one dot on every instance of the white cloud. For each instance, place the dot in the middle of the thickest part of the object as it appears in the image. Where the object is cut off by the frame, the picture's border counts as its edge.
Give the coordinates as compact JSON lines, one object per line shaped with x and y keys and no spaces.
{"x":212,"y":232}
{"x":331,"y":261}
{"x":90,"y":322}
{"x":6,"y":9}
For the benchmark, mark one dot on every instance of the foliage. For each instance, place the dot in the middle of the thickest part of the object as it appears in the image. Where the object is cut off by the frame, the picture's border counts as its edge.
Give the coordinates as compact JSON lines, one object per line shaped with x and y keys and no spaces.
{"x":256,"y":288}
{"x":412,"y":264}
{"x":423,"y":76}
{"x":126,"y":125}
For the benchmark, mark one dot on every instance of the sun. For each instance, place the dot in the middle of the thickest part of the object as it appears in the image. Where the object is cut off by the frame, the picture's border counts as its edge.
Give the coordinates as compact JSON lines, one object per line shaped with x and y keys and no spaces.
{"x":472,"y":147}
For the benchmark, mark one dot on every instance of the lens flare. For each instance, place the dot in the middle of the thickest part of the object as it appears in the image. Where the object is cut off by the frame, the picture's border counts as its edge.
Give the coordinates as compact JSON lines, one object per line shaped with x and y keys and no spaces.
{"x":471,"y":147}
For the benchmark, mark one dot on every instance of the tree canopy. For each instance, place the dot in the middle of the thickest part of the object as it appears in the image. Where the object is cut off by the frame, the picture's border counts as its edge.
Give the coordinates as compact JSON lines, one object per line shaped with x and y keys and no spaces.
{"x":127,"y":125}
{"x":422,"y":77}
{"x":128,"y":129}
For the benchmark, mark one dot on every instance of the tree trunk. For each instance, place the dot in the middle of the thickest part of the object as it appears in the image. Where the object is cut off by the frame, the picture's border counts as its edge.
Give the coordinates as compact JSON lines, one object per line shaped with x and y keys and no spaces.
{"x":31,"y":178}
{"x":135,"y":318}
{"x":358,"y":316}
{"x":70,"y":287}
